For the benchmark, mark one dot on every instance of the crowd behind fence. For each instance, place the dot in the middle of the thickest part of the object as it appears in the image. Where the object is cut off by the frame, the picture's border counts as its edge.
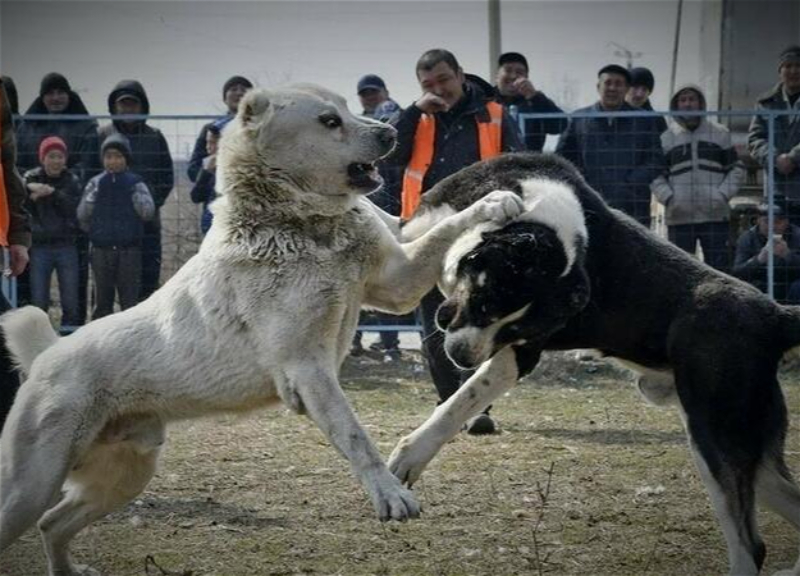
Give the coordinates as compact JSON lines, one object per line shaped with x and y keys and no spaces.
{"x":676,"y":182}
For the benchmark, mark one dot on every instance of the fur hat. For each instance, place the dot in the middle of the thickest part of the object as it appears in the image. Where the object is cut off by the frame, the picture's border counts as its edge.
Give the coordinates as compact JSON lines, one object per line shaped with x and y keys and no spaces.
{"x":507,"y":57}
{"x":235,"y":81}
{"x":51,"y":143}
{"x":642,"y":76}
{"x":54,"y":81}
{"x":615,"y":69}
{"x":789,"y":54}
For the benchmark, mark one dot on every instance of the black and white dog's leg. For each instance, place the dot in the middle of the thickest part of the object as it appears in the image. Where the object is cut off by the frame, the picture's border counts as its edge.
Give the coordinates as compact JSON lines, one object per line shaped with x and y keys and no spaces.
{"x":733,"y":500}
{"x":776,"y":487}
{"x":314,"y":390}
{"x":727,"y":453}
{"x":413,"y":453}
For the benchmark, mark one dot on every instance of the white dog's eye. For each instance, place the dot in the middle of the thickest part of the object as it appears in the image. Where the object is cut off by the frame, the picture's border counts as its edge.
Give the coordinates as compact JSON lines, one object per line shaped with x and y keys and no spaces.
{"x":331,"y":120}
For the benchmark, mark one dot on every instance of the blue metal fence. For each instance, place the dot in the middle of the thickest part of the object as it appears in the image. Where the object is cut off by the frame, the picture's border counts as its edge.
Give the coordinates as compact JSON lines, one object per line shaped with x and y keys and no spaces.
{"x":180,"y":217}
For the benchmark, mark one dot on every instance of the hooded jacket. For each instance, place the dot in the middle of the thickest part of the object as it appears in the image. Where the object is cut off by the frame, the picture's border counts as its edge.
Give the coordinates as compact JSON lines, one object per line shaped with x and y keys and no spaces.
{"x":456,"y":139}
{"x":79,"y":134}
{"x":787,"y":139}
{"x":703,"y":171}
{"x":150,"y":155}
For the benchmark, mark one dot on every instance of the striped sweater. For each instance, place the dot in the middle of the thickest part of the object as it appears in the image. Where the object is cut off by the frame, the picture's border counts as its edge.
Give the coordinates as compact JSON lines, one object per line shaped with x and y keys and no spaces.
{"x":703,"y":173}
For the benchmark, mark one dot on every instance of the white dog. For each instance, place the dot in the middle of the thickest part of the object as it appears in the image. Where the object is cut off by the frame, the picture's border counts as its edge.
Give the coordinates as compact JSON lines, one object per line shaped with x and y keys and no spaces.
{"x":265,"y":312}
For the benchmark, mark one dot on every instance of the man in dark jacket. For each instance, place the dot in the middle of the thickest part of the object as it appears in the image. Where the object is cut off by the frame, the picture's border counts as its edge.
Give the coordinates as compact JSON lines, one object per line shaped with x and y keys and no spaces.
{"x":752,"y":254}
{"x":642,"y":85}
{"x":18,"y":237}
{"x":456,"y":103}
{"x":518,"y":95}
{"x":618,"y":156}
{"x":784,"y":96}
{"x":232,"y":91}
{"x":56,"y":97}
{"x":151,"y":159}
{"x":79,"y":133}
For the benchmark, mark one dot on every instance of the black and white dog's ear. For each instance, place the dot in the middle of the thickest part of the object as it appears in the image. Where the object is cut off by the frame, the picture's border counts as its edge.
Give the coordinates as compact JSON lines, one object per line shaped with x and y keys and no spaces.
{"x":575,"y":289}
{"x":255,"y":108}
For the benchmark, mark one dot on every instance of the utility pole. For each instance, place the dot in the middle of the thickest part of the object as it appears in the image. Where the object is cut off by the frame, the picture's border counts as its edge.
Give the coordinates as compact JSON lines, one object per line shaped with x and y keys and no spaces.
{"x":675,"y":48}
{"x":495,"y":37}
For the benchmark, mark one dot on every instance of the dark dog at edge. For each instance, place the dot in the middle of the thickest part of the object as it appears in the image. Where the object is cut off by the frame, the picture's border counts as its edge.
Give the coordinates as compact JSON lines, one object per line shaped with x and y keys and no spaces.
{"x":574,"y":273}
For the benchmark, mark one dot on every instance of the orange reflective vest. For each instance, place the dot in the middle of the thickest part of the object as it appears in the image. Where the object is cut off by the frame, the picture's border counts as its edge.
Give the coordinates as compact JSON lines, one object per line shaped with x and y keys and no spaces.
{"x":5,"y":218}
{"x":490,"y":136}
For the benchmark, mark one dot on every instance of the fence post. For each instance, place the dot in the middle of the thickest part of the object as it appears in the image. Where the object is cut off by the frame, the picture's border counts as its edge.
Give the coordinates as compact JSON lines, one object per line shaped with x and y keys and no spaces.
{"x":769,"y":182}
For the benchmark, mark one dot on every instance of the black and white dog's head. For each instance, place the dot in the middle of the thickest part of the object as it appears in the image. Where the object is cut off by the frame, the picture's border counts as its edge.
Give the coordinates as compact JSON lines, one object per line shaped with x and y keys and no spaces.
{"x":518,"y":284}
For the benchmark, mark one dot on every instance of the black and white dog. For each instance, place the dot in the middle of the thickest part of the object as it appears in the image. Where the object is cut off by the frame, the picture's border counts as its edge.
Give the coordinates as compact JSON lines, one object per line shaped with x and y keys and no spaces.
{"x":573,"y":273}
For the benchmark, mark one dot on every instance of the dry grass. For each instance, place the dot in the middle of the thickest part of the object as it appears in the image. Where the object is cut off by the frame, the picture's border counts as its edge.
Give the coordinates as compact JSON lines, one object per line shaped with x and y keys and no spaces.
{"x":584,"y":479}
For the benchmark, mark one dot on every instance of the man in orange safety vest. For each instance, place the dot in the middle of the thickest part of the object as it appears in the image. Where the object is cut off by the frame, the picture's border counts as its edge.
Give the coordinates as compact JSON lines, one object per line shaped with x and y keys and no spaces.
{"x":453,"y":124}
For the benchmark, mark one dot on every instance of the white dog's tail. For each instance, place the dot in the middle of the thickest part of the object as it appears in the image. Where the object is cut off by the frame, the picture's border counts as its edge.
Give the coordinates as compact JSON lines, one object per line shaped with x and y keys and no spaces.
{"x":28,"y":333}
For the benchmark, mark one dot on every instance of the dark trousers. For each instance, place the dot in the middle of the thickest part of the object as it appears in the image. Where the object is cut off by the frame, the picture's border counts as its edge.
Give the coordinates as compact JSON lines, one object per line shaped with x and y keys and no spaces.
{"x":117,"y":270}
{"x":446,"y":376}
{"x":9,"y":377}
{"x":390,"y":339}
{"x":82,"y":245}
{"x":713,"y":237}
{"x":151,"y":260}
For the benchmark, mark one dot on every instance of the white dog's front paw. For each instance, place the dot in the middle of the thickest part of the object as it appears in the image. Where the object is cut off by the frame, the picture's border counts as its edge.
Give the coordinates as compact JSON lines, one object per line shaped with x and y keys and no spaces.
{"x":392,"y":501}
{"x":499,"y":206}
{"x":409,"y":459}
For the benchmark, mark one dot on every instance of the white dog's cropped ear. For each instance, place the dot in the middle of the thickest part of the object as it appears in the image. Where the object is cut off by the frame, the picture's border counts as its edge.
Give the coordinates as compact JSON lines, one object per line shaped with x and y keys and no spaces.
{"x":254,"y":108}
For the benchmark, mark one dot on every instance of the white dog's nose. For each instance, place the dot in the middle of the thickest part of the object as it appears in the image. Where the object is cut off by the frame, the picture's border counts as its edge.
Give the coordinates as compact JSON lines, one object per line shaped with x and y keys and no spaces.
{"x":387,"y":136}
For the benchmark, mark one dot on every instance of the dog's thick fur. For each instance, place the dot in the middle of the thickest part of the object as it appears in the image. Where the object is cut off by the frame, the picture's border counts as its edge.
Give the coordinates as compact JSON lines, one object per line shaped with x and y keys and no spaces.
{"x":265,"y":312}
{"x":572,"y":273}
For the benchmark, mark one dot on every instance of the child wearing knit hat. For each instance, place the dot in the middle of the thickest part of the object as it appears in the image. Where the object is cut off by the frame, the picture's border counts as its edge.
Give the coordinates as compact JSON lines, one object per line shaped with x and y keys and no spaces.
{"x":115,"y":205}
{"x":53,"y":195}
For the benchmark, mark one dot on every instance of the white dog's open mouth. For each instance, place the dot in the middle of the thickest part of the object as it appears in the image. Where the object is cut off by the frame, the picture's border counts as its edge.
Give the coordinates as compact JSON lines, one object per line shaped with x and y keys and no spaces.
{"x":364,"y":176}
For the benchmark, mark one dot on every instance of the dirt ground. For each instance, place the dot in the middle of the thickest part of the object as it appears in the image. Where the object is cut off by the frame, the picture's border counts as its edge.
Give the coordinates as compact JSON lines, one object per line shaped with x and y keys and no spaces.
{"x":585,"y":478}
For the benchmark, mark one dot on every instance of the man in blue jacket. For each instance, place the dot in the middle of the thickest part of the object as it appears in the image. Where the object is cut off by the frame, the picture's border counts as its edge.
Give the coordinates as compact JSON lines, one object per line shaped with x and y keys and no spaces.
{"x":785,"y":96}
{"x":618,"y":156}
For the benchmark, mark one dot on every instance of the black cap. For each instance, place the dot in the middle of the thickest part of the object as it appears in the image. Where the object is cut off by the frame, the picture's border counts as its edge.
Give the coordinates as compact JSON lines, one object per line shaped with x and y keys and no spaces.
{"x":643,"y":77}
{"x":54,"y":81}
{"x":615,"y":69}
{"x":508,"y":57}
{"x":235,"y":81}
{"x":128,"y":95}
{"x":370,"y":82}
{"x":789,"y":54}
{"x":778,"y":206}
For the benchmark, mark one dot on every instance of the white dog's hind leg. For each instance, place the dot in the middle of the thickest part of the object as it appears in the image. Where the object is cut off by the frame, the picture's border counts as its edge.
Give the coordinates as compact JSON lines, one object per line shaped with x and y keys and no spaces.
{"x":35,"y":451}
{"x":312,"y":389}
{"x":413,"y":453}
{"x":114,"y":471}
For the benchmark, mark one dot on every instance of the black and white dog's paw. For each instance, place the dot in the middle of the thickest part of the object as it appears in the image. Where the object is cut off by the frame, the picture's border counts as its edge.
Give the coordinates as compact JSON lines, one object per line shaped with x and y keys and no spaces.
{"x":410,"y":458}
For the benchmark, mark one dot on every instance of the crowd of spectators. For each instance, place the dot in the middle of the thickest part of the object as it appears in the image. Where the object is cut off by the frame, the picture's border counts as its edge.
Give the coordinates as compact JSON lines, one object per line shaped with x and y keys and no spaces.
{"x":689,"y":165}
